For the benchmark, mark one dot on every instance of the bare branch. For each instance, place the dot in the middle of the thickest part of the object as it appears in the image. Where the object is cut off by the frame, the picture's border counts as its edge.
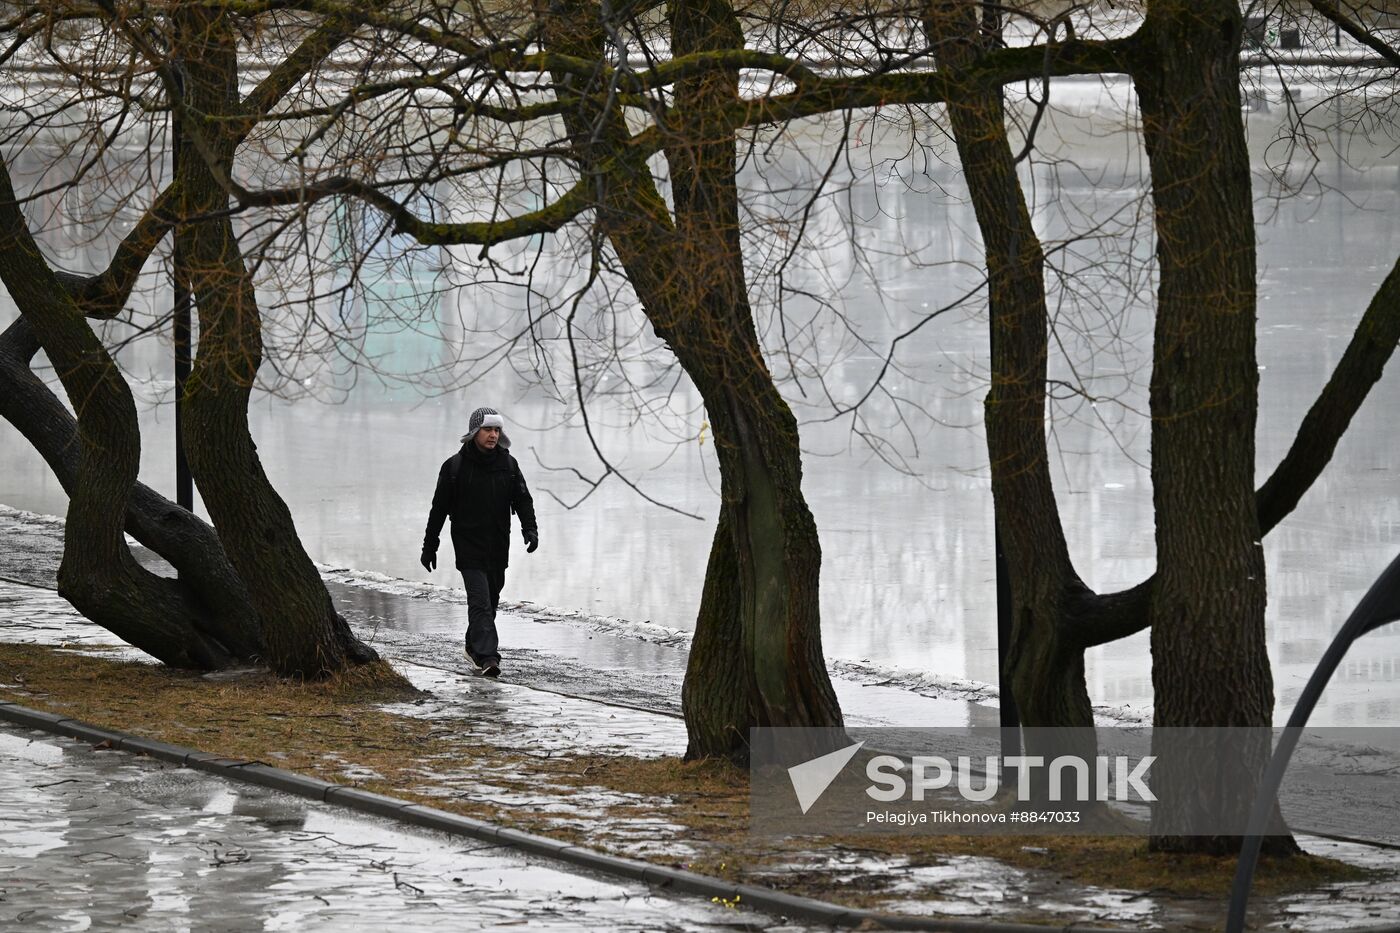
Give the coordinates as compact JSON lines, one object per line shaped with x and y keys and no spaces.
{"x":1356,"y":31}
{"x":313,"y":50}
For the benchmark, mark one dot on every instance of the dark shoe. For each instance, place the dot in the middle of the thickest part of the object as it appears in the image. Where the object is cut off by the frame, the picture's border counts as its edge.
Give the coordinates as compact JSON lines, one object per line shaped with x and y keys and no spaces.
{"x":491,"y":669}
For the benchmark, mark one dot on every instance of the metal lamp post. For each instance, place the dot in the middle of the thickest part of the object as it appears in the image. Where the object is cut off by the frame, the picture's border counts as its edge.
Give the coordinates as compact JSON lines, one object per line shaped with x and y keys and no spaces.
{"x":1380,"y":606}
{"x":180,"y":313}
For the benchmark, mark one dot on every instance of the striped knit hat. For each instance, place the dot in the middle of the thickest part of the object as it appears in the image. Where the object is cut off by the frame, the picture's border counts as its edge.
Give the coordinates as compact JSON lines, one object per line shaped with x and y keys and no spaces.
{"x":486,"y":418}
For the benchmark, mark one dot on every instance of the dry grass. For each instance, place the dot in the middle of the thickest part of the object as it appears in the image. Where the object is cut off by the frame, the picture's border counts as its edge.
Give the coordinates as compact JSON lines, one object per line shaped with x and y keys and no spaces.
{"x":334,"y":730}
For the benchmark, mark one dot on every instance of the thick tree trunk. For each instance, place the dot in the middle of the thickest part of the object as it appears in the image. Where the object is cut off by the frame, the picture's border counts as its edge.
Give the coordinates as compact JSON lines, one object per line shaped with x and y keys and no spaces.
{"x":1210,"y":664}
{"x":98,"y":574}
{"x":715,"y":693}
{"x":759,"y":622}
{"x":777,"y":553}
{"x":1045,"y":658}
{"x":1045,"y":662}
{"x":304,"y":636}
{"x":779,"y":556}
{"x":688,"y":274}
{"x":717,"y":696}
{"x":1056,"y":617}
{"x":220,"y":606}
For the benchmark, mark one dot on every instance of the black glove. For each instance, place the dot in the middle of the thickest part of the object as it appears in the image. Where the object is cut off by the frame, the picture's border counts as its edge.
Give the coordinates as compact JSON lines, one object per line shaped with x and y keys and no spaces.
{"x":428,"y":559}
{"x":532,"y":540}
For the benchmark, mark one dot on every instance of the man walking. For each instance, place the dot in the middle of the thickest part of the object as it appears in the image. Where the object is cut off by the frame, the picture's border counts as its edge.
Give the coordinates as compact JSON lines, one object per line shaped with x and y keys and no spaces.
{"x":479,"y":486}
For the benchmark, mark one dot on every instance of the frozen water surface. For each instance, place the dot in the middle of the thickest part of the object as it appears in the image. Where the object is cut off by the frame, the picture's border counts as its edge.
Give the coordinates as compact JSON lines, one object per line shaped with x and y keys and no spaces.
{"x":907,"y":585}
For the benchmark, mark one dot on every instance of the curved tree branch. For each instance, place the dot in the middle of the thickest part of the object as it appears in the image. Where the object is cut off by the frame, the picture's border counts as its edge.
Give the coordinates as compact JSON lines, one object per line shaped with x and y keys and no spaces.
{"x":1356,"y":31}
{"x":104,"y":294}
{"x":189,"y":544}
{"x":429,"y":233}
{"x":1117,"y":615}
{"x":313,"y":50}
{"x":1371,"y":347}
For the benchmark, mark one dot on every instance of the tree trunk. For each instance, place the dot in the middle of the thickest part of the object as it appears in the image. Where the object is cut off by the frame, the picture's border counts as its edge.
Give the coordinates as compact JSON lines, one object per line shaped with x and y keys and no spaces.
{"x":715,"y":693}
{"x":1045,"y":663}
{"x":220,"y":607}
{"x":1056,"y":617}
{"x":689,"y":276}
{"x":779,"y":556}
{"x":775,"y":537}
{"x":98,"y":573}
{"x":1210,"y":667}
{"x":303,"y":634}
{"x":1045,"y":658}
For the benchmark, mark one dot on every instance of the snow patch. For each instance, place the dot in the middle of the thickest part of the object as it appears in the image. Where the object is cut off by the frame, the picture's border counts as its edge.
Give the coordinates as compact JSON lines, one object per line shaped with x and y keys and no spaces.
{"x":30,"y":518}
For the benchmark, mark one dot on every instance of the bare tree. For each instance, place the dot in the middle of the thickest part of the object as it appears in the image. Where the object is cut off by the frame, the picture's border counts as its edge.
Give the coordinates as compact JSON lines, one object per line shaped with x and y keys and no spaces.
{"x":265,"y":599}
{"x":560,"y":118}
{"x":1205,"y":604}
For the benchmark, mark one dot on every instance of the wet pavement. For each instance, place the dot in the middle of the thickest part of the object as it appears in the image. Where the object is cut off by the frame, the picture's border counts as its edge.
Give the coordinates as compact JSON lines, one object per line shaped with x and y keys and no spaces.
{"x":96,"y":839}
{"x":564,"y":693}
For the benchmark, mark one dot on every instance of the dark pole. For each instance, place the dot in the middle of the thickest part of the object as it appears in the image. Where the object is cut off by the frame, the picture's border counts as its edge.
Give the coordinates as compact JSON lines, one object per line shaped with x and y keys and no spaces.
{"x":1010,"y":715}
{"x":184,"y":485}
{"x":1380,"y":606}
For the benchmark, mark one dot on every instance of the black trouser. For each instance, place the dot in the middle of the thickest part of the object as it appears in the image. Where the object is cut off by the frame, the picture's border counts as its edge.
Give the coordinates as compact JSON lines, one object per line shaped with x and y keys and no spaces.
{"x":483,"y":595}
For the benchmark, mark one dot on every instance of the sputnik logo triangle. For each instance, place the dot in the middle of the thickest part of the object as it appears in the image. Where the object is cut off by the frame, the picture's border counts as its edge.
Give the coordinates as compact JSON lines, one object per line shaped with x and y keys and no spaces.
{"x":811,"y":778}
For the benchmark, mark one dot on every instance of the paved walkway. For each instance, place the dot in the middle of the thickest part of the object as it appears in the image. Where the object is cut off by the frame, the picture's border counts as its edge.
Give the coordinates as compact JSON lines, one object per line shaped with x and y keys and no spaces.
{"x":104,"y":839}
{"x":545,"y":649}
{"x":525,"y":717}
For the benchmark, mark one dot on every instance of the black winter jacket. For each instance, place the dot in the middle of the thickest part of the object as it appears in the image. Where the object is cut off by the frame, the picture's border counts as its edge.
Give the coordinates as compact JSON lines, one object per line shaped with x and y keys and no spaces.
{"x":479,"y":489}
